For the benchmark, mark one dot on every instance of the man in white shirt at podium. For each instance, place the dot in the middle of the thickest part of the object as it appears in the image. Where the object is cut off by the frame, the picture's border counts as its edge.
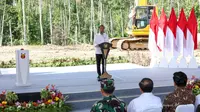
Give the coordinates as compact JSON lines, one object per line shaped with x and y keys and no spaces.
{"x":99,"y":38}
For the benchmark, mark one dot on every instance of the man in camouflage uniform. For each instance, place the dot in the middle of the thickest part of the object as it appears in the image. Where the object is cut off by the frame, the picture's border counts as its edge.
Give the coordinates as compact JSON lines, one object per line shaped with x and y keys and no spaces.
{"x":180,"y":96}
{"x":109,"y":103}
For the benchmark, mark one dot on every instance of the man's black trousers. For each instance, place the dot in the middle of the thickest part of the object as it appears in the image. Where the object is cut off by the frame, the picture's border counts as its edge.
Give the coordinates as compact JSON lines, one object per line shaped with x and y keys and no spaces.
{"x":99,"y":60}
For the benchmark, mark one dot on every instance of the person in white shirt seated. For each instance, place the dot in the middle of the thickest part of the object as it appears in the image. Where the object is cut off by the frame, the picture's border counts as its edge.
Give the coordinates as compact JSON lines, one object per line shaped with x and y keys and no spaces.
{"x":99,"y":38}
{"x":146,"y":102}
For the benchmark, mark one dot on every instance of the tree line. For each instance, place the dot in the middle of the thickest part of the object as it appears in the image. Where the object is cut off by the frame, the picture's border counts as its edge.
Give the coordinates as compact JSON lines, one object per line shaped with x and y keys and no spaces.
{"x":66,"y":22}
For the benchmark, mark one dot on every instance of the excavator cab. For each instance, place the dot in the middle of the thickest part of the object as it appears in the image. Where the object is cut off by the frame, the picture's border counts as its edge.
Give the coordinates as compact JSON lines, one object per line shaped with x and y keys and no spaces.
{"x":140,"y":21}
{"x":139,"y":18}
{"x":143,"y":16}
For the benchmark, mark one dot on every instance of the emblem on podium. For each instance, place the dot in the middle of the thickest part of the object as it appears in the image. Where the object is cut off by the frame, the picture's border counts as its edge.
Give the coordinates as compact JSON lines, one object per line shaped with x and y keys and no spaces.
{"x":23,"y":55}
{"x":105,"y":46}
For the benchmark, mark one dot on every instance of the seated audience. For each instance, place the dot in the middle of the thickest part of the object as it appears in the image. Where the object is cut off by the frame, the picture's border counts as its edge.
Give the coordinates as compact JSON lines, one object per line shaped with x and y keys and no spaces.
{"x":109,"y":103}
{"x":146,"y":101}
{"x":180,"y":96}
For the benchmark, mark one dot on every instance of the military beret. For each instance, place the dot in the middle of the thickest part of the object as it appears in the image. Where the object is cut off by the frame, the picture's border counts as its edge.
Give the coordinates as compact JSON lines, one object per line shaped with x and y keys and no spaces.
{"x":107,"y":84}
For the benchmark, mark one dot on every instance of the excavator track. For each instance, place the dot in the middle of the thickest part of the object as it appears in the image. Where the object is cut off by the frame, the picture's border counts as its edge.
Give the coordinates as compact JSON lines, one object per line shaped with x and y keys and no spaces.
{"x":130,"y":43}
{"x":114,"y":42}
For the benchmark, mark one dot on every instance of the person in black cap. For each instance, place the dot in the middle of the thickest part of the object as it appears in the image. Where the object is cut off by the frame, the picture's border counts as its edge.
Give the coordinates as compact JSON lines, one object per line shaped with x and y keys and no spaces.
{"x":181,"y":94}
{"x":109,"y":103}
{"x":99,"y":38}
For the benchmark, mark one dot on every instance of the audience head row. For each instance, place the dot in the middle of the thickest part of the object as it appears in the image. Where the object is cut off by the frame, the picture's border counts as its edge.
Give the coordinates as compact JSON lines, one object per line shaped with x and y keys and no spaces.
{"x":147,"y":100}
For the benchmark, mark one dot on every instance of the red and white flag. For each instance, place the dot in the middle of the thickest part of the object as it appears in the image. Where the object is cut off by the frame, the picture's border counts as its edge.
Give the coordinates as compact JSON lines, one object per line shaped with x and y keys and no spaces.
{"x":181,"y":34}
{"x":153,"y":33}
{"x":171,"y":34}
{"x":191,"y":39}
{"x":162,"y":27}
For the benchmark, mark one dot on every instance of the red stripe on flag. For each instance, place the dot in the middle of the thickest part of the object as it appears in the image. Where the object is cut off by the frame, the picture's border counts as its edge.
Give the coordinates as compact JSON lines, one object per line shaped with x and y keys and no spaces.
{"x":182,"y":22}
{"x":192,"y":26}
{"x":172,"y":23}
{"x":154,"y":23}
{"x":163,"y":21}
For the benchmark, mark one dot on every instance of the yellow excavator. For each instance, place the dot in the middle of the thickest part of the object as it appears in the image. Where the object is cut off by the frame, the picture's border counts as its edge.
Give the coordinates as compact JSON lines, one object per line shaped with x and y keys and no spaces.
{"x":137,"y":29}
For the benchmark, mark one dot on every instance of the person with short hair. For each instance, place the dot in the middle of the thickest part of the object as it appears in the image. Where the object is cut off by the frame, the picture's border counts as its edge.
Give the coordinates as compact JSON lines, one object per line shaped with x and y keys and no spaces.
{"x":146,"y":100}
{"x":181,"y":94}
{"x":99,"y":38}
{"x":110,"y":103}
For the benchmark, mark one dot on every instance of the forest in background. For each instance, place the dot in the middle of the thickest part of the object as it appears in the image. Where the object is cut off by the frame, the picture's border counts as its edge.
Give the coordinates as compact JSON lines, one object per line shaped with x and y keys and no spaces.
{"x":67,"y":22}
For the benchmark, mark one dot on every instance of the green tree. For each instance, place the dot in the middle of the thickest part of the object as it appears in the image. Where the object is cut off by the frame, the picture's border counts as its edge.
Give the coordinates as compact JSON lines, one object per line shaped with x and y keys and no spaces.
{"x":64,"y":22}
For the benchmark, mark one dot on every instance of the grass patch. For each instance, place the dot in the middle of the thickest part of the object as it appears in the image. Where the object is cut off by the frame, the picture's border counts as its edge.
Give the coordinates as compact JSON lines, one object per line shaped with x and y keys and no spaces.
{"x":61,"y":62}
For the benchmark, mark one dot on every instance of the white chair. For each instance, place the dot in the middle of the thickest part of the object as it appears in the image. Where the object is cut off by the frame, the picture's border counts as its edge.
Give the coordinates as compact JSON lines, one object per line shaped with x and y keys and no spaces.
{"x":185,"y":108}
{"x":153,"y":110}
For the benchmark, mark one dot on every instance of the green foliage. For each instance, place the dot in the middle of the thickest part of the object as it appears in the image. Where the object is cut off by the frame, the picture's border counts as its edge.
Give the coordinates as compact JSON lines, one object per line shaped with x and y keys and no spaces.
{"x":44,"y":94}
{"x":53,"y":102}
{"x":197,"y":11}
{"x":64,"y":62}
{"x":60,"y":18}
{"x":11,"y":97}
{"x":187,"y":5}
{"x":65,"y":108}
{"x":196,"y":91}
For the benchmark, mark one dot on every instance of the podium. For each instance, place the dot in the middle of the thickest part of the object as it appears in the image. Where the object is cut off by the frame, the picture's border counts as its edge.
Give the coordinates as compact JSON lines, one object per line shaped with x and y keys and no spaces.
{"x":105,"y":49}
{"x":22,"y":68}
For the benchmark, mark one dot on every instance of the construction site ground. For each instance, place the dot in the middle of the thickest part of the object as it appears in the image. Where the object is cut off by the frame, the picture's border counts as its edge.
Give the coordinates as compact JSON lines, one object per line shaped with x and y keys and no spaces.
{"x":38,"y":53}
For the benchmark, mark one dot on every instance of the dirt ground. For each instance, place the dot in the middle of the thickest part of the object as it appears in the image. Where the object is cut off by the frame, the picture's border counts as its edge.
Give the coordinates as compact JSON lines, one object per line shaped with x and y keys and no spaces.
{"x":38,"y":53}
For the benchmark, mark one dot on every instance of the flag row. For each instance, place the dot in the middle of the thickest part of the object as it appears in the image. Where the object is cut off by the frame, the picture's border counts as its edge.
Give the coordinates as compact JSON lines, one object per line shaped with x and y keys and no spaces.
{"x":177,"y":36}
